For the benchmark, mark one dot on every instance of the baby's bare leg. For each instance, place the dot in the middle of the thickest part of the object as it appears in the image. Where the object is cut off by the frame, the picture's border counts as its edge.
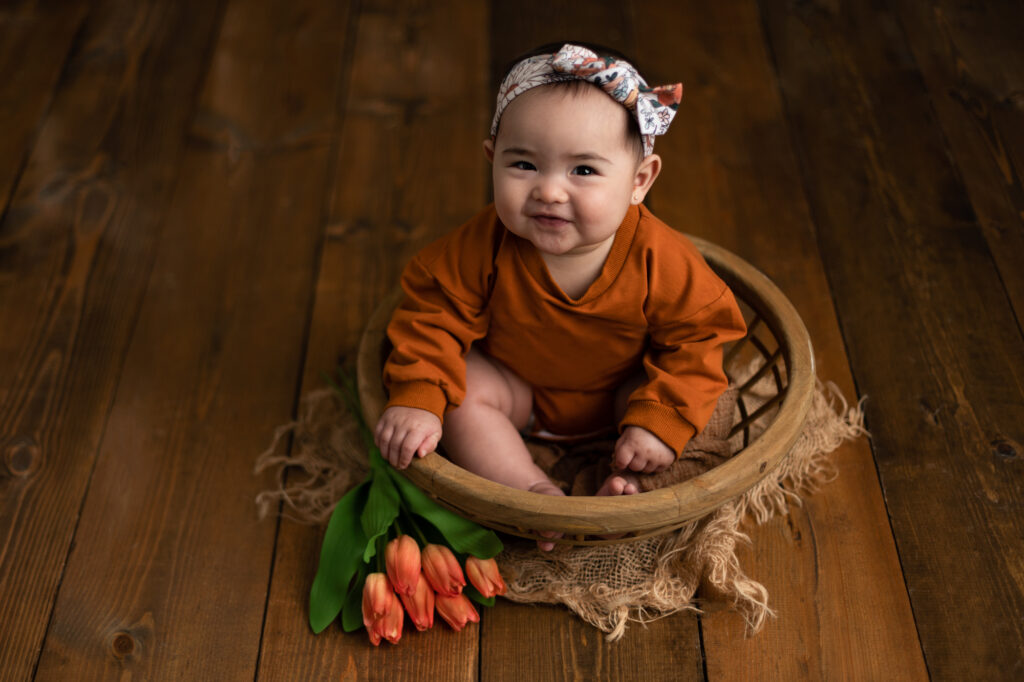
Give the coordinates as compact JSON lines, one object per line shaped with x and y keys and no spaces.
{"x":482,"y":434}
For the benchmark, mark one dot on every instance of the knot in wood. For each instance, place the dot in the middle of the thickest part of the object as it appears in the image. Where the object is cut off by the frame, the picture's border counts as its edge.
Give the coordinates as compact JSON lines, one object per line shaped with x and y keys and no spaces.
{"x":123,"y":644}
{"x":1004,"y":448}
{"x":21,"y":455}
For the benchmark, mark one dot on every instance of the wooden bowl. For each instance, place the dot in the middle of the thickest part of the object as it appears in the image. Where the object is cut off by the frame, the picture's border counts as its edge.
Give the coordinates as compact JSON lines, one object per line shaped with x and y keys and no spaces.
{"x":775,"y":331}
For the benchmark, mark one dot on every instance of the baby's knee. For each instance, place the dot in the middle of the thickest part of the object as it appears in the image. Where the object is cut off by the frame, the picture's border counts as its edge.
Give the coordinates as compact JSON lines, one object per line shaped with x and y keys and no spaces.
{"x":492,"y":386}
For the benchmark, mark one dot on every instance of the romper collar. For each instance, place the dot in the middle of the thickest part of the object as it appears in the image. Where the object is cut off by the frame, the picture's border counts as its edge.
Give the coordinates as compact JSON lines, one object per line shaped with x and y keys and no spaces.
{"x":538,"y":269}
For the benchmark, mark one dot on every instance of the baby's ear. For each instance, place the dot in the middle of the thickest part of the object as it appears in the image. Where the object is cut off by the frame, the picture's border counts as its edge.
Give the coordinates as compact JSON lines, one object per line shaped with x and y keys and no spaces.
{"x":489,"y":149}
{"x":646,"y":173}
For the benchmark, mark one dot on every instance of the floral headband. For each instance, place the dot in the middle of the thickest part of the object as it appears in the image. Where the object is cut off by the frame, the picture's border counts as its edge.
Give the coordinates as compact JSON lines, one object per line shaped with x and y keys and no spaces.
{"x":653,"y":107}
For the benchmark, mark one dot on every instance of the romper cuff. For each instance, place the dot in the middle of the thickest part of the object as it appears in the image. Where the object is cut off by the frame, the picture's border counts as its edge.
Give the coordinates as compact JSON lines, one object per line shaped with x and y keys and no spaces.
{"x":661,"y":420}
{"x":422,"y":394}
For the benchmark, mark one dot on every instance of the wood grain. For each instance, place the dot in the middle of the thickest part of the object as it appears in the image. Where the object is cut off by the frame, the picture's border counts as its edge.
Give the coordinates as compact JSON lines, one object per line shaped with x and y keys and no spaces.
{"x":171,"y":565}
{"x":76,"y":247}
{"x":970,"y":59}
{"x":202,"y":202}
{"x":930,"y":333}
{"x":543,"y":642}
{"x":408,"y":167}
{"x":35,"y":41}
{"x":831,"y":569}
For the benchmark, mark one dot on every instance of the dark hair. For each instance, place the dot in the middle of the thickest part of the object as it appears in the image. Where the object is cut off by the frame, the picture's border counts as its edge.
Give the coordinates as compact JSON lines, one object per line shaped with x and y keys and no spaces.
{"x":633,"y":136}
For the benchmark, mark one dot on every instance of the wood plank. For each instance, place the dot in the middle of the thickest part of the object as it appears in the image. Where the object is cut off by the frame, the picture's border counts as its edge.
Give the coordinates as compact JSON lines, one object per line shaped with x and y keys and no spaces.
{"x":76,"y":248}
{"x":519,"y":27}
{"x":35,"y":40}
{"x":170,"y":568}
{"x":973,"y":66}
{"x":545,"y":642}
{"x":931,"y":336}
{"x":730,"y":176}
{"x":408,"y":168}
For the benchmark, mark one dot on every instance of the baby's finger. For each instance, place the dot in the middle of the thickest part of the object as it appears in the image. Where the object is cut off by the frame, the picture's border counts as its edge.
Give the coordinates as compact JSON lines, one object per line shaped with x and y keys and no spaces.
{"x":390,"y":453}
{"x":394,"y":456}
{"x":622,"y":458}
{"x":429,"y":445}
{"x":651,"y":467}
{"x":412,"y":442}
{"x":384,"y":442}
{"x":638,"y":464}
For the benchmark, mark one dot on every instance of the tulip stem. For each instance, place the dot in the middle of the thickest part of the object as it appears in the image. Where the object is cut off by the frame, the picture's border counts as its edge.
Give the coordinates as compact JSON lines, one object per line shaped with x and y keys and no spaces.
{"x":380,"y":554}
{"x":408,"y":517}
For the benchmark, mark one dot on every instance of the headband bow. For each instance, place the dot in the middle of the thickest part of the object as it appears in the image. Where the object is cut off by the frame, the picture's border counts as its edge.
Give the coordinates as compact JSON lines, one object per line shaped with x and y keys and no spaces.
{"x":653,"y":107}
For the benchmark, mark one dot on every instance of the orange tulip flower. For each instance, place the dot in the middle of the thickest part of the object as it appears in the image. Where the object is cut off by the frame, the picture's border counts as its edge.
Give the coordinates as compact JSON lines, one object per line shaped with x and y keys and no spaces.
{"x":402,"y":558}
{"x":389,"y":627}
{"x":378,"y":597}
{"x":484,"y":575}
{"x":442,"y":570}
{"x":382,"y":613}
{"x":420,"y":605}
{"x":457,"y":610}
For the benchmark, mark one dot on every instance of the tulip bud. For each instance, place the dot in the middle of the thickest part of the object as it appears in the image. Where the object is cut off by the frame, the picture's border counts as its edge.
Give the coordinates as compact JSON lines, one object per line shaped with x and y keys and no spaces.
{"x":457,"y":610}
{"x":420,"y":605}
{"x":402,"y":558}
{"x":484,"y":575}
{"x":390,"y":626}
{"x":378,"y":598}
{"x":442,"y":570}
{"x":382,"y":613}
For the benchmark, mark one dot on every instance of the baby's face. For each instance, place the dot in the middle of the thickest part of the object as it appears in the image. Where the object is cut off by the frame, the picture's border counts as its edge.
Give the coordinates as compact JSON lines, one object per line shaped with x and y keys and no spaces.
{"x":564,"y":171}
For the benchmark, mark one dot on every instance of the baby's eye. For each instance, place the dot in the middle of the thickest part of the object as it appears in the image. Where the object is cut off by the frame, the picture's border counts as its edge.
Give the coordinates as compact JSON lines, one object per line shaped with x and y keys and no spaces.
{"x":524,"y":165}
{"x":583,"y":170}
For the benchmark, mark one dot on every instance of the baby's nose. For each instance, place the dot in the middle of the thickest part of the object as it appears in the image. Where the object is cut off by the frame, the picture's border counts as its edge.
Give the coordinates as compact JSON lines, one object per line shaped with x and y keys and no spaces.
{"x":549,"y":190}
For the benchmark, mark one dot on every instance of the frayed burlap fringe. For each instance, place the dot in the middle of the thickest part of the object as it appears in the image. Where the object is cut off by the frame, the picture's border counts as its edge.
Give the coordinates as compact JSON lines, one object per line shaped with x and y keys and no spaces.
{"x":326,"y":460}
{"x":608,"y":586}
{"x":611,"y":585}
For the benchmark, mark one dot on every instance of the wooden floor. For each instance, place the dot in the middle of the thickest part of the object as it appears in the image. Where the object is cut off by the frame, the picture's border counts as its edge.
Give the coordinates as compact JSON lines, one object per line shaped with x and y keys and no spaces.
{"x":202,"y":202}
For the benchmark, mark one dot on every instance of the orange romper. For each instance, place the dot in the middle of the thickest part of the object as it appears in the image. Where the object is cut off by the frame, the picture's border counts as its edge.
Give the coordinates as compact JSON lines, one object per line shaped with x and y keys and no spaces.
{"x":656,"y":307}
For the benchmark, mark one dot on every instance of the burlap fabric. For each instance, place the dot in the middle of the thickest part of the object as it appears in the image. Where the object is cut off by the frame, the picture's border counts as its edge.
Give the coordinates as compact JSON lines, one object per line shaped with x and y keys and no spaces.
{"x":610,"y":585}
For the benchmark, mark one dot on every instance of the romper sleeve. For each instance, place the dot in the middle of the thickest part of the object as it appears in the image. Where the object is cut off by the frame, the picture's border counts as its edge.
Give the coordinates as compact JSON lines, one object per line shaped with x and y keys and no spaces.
{"x":444,"y":311}
{"x":691,"y":315}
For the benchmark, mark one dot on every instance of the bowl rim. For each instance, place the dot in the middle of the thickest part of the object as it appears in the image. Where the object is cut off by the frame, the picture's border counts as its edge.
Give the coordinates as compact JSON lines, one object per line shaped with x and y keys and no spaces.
{"x":511,"y":510}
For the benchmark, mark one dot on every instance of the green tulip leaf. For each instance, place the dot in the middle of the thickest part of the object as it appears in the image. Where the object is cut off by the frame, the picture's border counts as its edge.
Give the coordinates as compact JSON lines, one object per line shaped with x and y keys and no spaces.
{"x":380,"y":511}
{"x":352,"y":613}
{"x":462,"y":535}
{"x":340,"y":558}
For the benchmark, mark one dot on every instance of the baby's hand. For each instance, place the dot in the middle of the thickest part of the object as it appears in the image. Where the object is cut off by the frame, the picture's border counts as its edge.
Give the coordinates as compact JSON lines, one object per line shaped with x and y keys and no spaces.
{"x":640,"y":450}
{"x":406,"y":431}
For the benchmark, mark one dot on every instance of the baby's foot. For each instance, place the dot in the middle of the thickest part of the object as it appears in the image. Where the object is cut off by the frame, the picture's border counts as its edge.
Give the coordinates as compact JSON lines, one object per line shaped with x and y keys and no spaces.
{"x":546,"y":487}
{"x":620,"y":484}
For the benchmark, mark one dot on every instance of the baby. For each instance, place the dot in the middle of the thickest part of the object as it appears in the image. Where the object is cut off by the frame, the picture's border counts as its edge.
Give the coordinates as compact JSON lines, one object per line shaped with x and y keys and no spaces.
{"x":565,"y":308}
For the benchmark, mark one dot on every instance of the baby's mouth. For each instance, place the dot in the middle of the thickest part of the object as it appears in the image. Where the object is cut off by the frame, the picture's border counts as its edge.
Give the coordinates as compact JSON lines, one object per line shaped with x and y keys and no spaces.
{"x":549,"y":220}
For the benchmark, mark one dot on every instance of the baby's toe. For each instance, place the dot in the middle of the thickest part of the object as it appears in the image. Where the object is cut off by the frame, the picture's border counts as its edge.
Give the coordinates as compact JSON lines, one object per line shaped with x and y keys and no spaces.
{"x":544,"y":545}
{"x":619,"y":484}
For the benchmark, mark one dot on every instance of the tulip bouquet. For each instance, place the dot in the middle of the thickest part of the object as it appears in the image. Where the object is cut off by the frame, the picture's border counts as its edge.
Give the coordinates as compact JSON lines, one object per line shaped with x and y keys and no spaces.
{"x":372,"y":564}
